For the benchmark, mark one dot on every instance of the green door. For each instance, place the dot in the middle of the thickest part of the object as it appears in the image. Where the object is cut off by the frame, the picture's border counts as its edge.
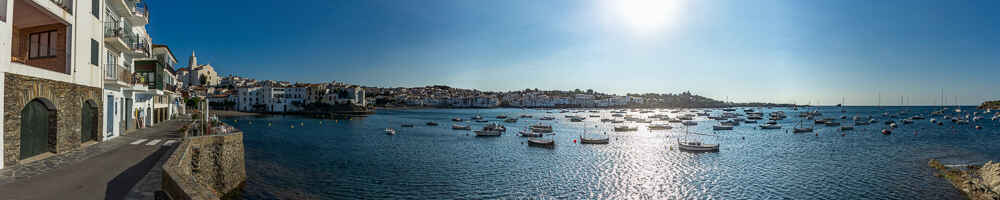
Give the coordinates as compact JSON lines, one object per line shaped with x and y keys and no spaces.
{"x":88,"y":126}
{"x":34,"y":130}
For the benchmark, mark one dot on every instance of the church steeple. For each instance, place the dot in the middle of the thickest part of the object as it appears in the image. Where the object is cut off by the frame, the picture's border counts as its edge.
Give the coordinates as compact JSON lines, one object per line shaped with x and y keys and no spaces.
{"x":193,"y":62}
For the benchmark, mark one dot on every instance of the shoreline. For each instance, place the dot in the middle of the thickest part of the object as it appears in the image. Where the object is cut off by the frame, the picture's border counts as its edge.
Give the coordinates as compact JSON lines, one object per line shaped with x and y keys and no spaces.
{"x":230,"y":113}
{"x":975,"y":181}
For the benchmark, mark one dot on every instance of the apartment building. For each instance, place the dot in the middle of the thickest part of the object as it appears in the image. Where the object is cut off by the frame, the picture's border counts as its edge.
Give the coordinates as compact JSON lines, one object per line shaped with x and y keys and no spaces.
{"x":125,"y":39}
{"x":52,"y":82}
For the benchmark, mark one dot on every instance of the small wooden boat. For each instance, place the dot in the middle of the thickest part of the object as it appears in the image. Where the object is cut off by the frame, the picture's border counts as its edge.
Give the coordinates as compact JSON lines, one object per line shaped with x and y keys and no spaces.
{"x":722,"y":128}
{"x":624,"y":128}
{"x":432,"y":123}
{"x":481,"y":121}
{"x":659,"y":127}
{"x":696,"y":146}
{"x":596,"y":140}
{"x":525,"y":133}
{"x":460,"y":127}
{"x":541,"y":142}
{"x":886,"y":131}
{"x":390,"y":131}
{"x":501,"y":116}
{"x":456,"y":119}
{"x":510,"y":120}
{"x":770,"y":126}
{"x":541,"y":128}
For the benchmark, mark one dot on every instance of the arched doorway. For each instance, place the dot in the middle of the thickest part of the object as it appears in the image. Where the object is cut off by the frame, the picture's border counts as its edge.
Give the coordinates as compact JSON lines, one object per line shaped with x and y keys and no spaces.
{"x":88,"y":121}
{"x":36,"y":121}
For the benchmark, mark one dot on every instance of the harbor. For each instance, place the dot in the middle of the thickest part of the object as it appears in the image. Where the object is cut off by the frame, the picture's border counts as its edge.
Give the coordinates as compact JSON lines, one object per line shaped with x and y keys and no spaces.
{"x":752,"y":162}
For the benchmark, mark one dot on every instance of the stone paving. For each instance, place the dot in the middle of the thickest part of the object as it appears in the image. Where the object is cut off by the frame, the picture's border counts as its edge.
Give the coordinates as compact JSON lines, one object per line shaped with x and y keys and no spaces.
{"x":121,"y":152}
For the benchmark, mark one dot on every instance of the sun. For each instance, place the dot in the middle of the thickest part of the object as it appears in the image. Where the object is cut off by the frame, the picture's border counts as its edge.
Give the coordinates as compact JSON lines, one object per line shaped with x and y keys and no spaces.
{"x":645,"y":16}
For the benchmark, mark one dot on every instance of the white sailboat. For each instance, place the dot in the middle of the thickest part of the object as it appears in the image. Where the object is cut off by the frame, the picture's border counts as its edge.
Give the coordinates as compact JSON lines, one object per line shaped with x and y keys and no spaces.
{"x":695,"y":145}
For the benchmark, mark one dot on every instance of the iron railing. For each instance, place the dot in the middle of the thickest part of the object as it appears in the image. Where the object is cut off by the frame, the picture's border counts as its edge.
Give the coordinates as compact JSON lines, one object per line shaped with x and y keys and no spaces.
{"x":141,"y":10}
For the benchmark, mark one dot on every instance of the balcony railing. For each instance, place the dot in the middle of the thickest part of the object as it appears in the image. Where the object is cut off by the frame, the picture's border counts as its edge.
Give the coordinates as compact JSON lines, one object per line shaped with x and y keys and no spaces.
{"x":114,"y":72}
{"x":112,"y":29}
{"x":65,"y":5}
{"x":139,"y":44}
{"x":141,"y":10}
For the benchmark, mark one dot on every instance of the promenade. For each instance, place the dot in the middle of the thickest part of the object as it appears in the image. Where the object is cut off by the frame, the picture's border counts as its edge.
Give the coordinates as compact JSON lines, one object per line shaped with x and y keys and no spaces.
{"x":113,"y":169}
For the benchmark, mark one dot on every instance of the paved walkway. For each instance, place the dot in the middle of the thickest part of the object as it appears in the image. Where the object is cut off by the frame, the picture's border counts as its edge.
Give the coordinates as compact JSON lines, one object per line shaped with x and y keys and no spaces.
{"x":106,"y":170}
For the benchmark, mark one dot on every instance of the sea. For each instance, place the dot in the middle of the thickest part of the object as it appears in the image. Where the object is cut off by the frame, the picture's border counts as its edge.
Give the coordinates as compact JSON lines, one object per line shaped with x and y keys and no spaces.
{"x":294,"y":157}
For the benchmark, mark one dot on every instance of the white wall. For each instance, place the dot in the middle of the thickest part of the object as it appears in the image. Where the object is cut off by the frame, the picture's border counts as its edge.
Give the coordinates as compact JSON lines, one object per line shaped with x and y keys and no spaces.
{"x":86,"y":27}
{"x":6,"y":31}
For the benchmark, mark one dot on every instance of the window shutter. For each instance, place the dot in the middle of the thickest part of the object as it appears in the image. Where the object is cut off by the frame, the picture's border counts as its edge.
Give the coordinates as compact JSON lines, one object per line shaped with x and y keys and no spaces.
{"x":94,"y":49}
{"x":95,"y":8}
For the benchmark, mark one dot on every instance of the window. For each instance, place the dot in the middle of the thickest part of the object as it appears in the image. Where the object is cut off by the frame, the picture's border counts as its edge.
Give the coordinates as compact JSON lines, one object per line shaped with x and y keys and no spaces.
{"x":95,"y":8}
{"x":3,"y":10}
{"x":94,"y":49}
{"x":43,"y":44}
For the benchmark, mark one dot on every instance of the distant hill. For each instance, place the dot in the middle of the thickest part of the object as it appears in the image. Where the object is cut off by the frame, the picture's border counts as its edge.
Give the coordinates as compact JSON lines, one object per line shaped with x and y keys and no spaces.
{"x":990,"y":105}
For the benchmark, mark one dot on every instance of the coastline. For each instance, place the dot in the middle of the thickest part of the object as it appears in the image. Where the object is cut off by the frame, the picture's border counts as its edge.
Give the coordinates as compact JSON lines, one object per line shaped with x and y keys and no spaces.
{"x":975,"y":181}
{"x":230,"y":113}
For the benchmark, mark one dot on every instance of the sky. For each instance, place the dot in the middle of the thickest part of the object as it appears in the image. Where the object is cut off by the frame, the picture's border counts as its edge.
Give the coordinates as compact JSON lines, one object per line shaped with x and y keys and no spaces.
{"x":817,"y":52}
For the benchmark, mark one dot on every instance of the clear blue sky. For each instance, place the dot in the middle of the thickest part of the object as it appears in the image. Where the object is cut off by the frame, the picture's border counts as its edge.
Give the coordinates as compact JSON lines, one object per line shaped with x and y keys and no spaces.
{"x":774,"y":51}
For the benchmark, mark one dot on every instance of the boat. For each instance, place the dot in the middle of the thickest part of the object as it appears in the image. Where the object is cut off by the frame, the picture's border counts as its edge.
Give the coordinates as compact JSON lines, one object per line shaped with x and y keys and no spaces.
{"x":886,"y":131}
{"x":432,"y":123}
{"x":460,"y":127}
{"x":501,"y":116}
{"x":510,"y":120}
{"x":690,"y":123}
{"x":907,"y":121}
{"x":493,"y":129}
{"x":595,"y":116}
{"x":406,"y":125}
{"x":456,"y":119}
{"x":861,"y":123}
{"x":962,"y":122}
{"x":526,"y":116}
{"x":525,"y":133}
{"x":481,"y":121}
{"x":542,"y":142}
{"x":892,"y":125}
{"x":846,"y":128}
{"x":750,"y":121}
{"x":770,"y":126}
{"x":832,"y":123}
{"x":547,"y":118}
{"x":577,"y":119}
{"x":722,"y":127}
{"x":477,"y":117}
{"x":801,"y":129}
{"x":625,"y":128}
{"x":695,"y":145}
{"x":659,"y":127}
{"x":917,"y":117}
{"x":541,"y":128}
{"x":594,"y":140}
{"x":390,"y":131}
{"x":771,"y":122}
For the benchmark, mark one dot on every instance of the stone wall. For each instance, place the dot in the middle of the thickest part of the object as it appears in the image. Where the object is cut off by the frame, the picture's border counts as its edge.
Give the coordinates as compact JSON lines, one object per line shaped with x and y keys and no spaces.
{"x":205,"y":167}
{"x":67,"y":98}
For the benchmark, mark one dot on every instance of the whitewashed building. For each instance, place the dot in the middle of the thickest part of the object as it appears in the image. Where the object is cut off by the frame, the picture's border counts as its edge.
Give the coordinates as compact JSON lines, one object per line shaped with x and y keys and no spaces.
{"x":51,"y":77}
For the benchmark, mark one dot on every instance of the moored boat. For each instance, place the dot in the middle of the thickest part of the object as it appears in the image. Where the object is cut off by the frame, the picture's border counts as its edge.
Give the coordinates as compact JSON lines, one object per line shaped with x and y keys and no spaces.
{"x":432,"y":123}
{"x":390,"y":131}
{"x":542,"y":142}
{"x":460,"y":127}
{"x":594,"y":140}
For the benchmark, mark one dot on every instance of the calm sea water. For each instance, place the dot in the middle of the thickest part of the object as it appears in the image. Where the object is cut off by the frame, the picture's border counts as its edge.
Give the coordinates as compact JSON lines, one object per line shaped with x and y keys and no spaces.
{"x":348,"y":159}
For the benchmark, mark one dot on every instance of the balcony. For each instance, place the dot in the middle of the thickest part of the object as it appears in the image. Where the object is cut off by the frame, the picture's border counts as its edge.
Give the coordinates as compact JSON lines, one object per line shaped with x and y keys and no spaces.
{"x":140,"y":14}
{"x":139,"y":45}
{"x":116,"y":75}
{"x":115,"y":35}
{"x":64,"y":4}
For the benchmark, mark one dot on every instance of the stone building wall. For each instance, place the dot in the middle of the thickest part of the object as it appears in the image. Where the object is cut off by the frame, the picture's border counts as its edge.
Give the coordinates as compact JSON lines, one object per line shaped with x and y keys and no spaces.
{"x":205,"y":167}
{"x":68,"y":100}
